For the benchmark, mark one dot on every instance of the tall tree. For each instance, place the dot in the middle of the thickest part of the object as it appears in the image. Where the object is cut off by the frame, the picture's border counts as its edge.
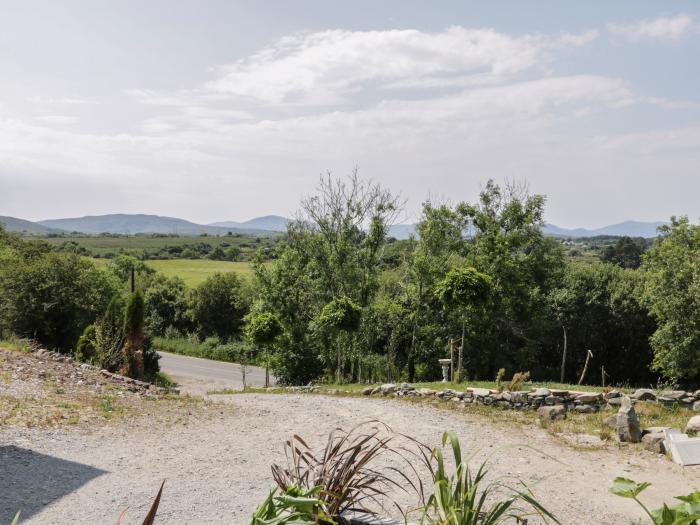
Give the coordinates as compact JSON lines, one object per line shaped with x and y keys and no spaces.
{"x":673,"y":295}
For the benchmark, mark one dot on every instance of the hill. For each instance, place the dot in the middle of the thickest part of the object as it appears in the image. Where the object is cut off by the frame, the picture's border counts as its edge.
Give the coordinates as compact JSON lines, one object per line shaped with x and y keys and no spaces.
{"x":121,"y":223}
{"x":273,"y":223}
{"x":14,"y":224}
{"x":629,"y":228}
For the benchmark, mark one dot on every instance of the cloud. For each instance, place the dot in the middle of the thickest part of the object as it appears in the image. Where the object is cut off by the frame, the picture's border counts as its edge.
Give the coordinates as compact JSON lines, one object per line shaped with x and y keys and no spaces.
{"x":662,"y":28}
{"x":324,"y":68}
{"x":57,"y":119}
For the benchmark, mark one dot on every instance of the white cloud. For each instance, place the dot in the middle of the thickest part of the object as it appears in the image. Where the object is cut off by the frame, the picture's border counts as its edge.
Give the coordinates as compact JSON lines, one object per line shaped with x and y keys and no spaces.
{"x":418,"y":111}
{"x":662,"y":28}
{"x":57,"y":119}
{"x":326,"y":67}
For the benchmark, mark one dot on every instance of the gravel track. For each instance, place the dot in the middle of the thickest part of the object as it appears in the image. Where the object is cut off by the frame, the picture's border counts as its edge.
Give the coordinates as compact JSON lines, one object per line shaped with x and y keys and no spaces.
{"x":217,"y":469}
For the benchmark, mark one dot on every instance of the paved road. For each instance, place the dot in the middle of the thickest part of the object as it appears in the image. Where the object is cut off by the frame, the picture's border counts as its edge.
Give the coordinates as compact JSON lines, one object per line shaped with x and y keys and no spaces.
{"x":199,"y":376}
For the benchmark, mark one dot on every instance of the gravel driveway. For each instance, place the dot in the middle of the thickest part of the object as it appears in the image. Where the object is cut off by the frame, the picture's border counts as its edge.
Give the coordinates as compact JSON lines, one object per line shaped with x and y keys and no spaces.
{"x":217,"y":469}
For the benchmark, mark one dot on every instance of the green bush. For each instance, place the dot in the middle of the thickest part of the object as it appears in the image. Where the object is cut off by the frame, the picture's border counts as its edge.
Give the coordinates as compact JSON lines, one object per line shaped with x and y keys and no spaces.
{"x":52,"y":297}
{"x":218,"y":306}
{"x":85,"y":350}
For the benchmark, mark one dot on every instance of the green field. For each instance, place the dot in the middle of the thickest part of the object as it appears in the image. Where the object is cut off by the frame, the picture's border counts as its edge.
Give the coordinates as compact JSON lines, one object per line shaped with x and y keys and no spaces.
{"x":195,"y":271}
{"x":192,"y":271}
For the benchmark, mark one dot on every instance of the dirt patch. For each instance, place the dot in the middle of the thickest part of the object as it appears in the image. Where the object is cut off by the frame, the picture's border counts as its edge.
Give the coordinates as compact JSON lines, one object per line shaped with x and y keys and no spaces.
{"x":217,"y":467}
{"x":42,"y":390}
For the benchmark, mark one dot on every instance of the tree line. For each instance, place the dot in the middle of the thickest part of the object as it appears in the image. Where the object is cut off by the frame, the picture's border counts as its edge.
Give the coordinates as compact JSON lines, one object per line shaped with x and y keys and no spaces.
{"x":339,"y":301}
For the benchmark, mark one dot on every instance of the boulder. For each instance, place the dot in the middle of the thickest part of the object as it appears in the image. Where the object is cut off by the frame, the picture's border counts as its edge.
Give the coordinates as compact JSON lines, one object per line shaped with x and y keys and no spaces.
{"x":673,"y":394}
{"x":627,"y":425}
{"x":654,"y":442}
{"x":644,"y":394}
{"x":387,"y":388}
{"x":588,"y":397}
{"x":481,"y":392}
{"x":613,"y":394}
{"x":696,"y":406}
{"x":559,"y":393}
{"x":518,"y":397}
{"x":551,"y":413}
{"x":426,"y":392}
{"x":610,"y":421}
{"x":585,"y":409}
{"x":693,"y":425}
{"x":367,"y":391}
{"x":542,"y":392}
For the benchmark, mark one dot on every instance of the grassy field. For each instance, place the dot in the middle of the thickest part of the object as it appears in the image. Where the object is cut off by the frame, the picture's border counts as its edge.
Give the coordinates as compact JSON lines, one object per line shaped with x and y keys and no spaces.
{"x":195,"y":271}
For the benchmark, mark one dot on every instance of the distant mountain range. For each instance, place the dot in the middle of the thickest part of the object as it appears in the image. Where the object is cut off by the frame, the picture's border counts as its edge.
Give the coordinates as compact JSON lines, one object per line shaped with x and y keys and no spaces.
{"x":138,"y":223}
{"x":629,"y":228}
{"x":20,"y":225}
{"x":273,"y":223}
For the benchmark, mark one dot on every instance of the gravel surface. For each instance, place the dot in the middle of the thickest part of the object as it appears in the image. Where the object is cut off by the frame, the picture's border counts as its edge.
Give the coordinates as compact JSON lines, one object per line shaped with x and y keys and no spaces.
{"x":217,"y":468}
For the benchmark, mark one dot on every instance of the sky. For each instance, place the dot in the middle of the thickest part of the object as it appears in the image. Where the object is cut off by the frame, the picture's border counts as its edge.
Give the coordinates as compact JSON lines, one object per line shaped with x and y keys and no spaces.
{"x":226,"y":110}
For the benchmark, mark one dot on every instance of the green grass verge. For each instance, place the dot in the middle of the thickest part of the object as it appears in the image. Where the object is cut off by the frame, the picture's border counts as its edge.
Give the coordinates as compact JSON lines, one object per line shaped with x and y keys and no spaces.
{"x":438,"y":385}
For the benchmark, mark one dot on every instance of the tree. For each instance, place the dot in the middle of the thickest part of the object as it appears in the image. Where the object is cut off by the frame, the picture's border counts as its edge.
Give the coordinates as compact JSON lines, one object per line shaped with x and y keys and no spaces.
{"x":166,"y":304}
{"x":339,"y":315}
{"x":601,"y":308}
{"x":673,"y":296}
{"x":626,"y":253}
{"x":52,"y":297}
{"x":218,"y":306}
{"x":263,"y":328}
{"x":134,"y":317}
{"x":464,"y":288}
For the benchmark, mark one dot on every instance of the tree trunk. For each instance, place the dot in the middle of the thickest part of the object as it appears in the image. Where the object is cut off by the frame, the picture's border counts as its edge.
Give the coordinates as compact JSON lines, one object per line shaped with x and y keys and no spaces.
{"x":563,"y":357}
{"x":337,"y":370}
{"x":461,"y":351}
{"x":412,"y":352}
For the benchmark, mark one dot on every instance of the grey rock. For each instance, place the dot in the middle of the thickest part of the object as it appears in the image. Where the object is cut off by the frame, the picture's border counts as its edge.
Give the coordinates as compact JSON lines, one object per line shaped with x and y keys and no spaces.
{"x":542,"y":392}
{"x":693,"y":425}
{"x":551,"y":413}
{"x":387,"y":388}
{"x":654,"y":442}
{"x":696,"y":406}
{"x":673,"y":394}
{"x":585,"y":409}
{"x":613,"y":394}
{"x":644,"y":394}
{"x":481,"y":392}
{"x":559,"y":393}
{"x":426,"y":392}
{"x":610,"y":421}
{"x":367,"y":391}
{"x":591,"y":397}
{"x":628,"y":428}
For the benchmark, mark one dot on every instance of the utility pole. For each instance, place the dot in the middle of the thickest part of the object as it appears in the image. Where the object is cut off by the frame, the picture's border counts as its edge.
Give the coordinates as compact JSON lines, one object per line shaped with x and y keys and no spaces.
{"x":133,"y":279}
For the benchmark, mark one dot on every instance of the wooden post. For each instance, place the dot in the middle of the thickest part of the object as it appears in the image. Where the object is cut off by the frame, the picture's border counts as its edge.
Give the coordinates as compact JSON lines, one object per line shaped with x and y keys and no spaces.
{"x":563,"y":357}
{"x":602,"y":376}
{"x":133,"y":279}
{"x":585,"y":366}
{"x":452,"y":361}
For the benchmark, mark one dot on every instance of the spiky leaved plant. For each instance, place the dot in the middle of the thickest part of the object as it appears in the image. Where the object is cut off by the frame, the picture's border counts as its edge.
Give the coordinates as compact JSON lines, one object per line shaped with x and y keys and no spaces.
{"x":466,"y":498}
{"x":345,"y":473}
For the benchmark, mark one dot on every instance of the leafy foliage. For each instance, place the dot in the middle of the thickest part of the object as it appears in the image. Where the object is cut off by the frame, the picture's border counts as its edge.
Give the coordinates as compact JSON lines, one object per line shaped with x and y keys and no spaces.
{"x":672,"y":266}
{"x":685,"y":513}
{"x":466,"y":498}
{"x":219,"y":305}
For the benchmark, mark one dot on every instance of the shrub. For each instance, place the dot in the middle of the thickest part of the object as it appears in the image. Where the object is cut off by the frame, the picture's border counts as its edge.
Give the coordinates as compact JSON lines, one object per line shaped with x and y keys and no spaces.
{"x":465,"y":498}
{"x":85,"y":350}
{"x":52,"y":297}
{"x":519,"y":378}
{"x":218,"y":306}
